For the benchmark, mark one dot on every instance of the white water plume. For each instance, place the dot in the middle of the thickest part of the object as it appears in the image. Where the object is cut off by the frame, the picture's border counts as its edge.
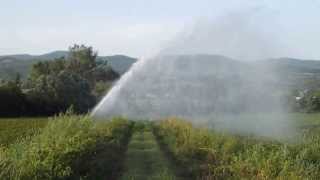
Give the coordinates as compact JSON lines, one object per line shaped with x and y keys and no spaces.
{"x":184,"y":81}
{"x":111,"y":97}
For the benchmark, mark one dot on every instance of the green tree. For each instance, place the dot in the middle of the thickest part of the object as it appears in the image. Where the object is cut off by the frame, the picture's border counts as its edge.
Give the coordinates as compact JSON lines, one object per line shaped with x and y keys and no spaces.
{"x":81,"y":59}
{"x":56,"y":93}
{"x":101,"y":88}
{"x":75,"y":80}
{"x":13,"y":101}
{"x":38,"y":69}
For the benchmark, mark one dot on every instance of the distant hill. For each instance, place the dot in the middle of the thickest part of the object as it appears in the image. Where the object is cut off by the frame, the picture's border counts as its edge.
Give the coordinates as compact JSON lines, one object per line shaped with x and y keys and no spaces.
{"x":293,"y":71}
{"x":10,"y":65}
{"x":292,"y":65}
{"x":290,"y":72}
{"x":47,"y":56}
{"x":119,"y":63}
{"x":296,"y":73}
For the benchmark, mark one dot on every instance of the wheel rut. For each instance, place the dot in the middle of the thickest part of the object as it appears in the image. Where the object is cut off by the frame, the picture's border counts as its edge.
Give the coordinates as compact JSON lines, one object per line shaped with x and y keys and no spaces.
{"x":145,"y":160}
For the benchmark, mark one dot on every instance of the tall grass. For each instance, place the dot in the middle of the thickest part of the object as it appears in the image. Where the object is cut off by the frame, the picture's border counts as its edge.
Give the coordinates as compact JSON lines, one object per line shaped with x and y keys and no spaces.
{"x":61,"y":149}
{"x":12,"y":129}
{"x":209,"y":155}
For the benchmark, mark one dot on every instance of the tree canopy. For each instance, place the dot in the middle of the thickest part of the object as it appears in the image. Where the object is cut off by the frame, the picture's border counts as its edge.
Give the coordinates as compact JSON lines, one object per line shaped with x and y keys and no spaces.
{"x":77,"y":80}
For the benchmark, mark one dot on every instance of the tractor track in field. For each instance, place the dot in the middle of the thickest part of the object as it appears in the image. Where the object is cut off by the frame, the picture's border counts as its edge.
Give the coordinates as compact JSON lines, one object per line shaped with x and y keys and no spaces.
{"x":145,"y":160}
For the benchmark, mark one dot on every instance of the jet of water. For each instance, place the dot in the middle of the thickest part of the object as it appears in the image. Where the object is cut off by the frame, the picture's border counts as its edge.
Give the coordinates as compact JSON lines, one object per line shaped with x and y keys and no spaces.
{"x":183,"y":81}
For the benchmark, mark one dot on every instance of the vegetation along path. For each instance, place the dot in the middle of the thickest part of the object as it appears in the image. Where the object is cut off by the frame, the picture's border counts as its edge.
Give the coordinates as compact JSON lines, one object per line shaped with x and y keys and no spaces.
{"x":144,"y":159}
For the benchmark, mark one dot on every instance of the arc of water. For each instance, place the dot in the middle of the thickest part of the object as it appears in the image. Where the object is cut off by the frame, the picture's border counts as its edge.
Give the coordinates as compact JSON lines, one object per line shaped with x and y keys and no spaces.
{"x":109,"y":99}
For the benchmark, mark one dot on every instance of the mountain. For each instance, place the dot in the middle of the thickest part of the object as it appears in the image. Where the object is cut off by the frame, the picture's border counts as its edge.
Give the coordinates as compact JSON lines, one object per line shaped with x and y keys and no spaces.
{"x":291,"y":70}
{"x":47,"y":56}
{"x":119,"y":63}
{"x":291,"y":65}
{"x":298,"y":73}
{"x":53,"y":55}
{"x":10,"y":65}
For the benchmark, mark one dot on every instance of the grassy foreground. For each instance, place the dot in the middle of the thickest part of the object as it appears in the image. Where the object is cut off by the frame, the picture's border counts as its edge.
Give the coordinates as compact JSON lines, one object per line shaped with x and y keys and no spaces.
{"x":208,"y":155}
{"x":75,"y":147}
{"x":69,"y":147}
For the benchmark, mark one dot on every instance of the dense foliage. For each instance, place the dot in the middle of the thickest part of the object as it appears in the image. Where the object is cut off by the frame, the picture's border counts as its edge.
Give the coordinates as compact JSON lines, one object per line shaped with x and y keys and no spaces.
{"x":69,"y":147}
{"x":209,"y":155}
{"x":78,"y":80}
{"x":13,"y":100}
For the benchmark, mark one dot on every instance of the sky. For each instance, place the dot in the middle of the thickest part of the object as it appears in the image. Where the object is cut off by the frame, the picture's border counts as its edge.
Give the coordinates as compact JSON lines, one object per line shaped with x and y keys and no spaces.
{"x":142,"y":28}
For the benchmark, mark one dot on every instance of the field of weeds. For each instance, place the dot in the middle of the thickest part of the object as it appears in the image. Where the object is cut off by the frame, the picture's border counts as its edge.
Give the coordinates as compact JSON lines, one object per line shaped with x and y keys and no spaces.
{"x":67,"y":147}
{"x":205,"y":154}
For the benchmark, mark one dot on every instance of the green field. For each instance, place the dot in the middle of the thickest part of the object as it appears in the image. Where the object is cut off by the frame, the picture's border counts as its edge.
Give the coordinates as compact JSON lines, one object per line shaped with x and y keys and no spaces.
{"x":74,"y":147}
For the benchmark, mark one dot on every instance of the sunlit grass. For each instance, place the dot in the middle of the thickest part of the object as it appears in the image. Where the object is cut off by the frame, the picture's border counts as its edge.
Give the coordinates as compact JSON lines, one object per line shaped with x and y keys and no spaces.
{"x":211,"y":155}
{"x":60,"y":150}
{"x":12,"y":129}
{"x":70,"y":147}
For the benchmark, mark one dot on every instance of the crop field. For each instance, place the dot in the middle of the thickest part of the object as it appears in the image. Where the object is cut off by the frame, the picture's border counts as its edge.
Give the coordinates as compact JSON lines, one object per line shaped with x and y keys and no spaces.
{"x":76,"y":147}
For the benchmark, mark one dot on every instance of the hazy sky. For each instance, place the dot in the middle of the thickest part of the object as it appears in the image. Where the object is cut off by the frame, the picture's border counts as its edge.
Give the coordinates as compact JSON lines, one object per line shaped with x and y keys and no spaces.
{"x":143,"y":27}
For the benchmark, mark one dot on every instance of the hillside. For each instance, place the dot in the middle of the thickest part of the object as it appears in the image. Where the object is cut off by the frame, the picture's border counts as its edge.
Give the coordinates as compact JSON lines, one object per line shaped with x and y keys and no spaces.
{"x":297,"y":73}
{"x":10,"y":65}
{"x":119,"y":63}
{"x":292,"y":71}
{"x":292,"y":65}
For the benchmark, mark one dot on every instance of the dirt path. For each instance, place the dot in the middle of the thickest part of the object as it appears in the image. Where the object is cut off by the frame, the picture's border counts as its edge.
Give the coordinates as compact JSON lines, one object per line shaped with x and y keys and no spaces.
{"x":144,"y":159}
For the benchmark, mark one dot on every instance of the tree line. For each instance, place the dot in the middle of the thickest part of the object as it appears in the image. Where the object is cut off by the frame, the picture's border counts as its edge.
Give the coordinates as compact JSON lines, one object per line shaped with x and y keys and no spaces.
{"x":78,"y":80}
